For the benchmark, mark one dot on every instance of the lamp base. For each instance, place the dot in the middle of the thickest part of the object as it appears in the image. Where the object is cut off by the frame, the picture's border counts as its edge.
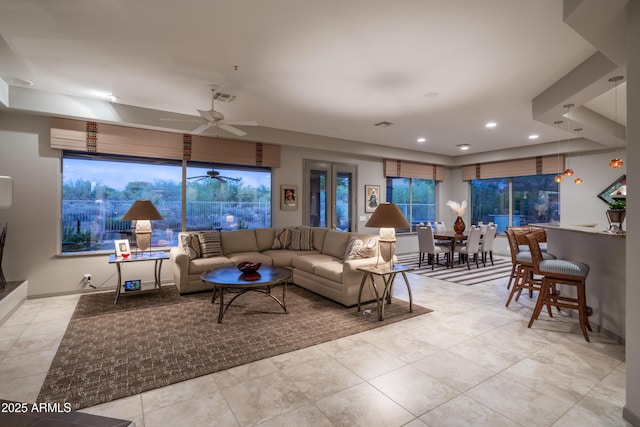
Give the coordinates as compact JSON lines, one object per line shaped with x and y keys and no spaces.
{"x":386,"y":250}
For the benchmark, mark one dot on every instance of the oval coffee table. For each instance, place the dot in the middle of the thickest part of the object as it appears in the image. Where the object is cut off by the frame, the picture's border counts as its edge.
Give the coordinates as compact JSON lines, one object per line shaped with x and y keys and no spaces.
{"x":230,"y":278}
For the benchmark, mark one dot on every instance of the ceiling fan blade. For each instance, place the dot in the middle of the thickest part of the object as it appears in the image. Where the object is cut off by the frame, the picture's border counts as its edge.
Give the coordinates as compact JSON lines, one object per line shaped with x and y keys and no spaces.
{"x":180,"y":120}
{"x":202,"y":128}
{"x":206,"y":115}
{"x":231,"y":129}
{"x":241,"y":122}
{"x":198,"y":177}
{"x":232,"y":179}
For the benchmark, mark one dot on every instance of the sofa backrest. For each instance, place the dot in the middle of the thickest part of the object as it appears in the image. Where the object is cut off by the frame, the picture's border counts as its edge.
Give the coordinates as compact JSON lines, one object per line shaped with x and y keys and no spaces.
{"x":264,"y":238}
{"x":238,"y":241}
{"x":335,"y":243}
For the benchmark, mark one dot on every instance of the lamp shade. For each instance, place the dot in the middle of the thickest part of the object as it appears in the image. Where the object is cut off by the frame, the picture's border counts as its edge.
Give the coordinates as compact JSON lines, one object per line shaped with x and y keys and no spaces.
{"x":142,"y":209}
{"x":387,"y":215}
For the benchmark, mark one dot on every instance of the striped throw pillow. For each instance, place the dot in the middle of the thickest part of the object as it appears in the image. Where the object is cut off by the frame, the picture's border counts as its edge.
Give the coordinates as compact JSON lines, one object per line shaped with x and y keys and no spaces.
{"x":302,"y":239}
{"x":210,"y":243}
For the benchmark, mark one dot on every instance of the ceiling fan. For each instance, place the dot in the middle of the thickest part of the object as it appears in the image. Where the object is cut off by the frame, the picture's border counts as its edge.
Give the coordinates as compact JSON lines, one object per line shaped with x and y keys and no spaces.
{"x":213,"y":174}
{"x":216,"y":118}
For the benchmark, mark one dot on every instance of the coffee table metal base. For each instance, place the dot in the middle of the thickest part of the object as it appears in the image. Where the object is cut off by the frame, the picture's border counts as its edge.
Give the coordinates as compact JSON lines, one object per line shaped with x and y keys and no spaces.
{"x":228,"y":279}
{"x":219,"y":290}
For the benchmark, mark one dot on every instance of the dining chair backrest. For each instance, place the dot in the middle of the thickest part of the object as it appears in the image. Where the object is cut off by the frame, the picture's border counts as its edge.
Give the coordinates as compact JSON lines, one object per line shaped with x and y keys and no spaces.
{"x":489,"y":236}
{"x":513,"y":244}
{"x":440,"y":227}
{"x":426,"y":243}
{"x":473,"y":240}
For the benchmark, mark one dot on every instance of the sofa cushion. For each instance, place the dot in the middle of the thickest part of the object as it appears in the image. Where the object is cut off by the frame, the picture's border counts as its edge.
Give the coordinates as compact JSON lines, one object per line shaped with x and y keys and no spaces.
{"x":238,"y":241}
{"x":302,"y":239}
{"x":368,"y":248}
{"x":285,"y":257}
{"x":282,"y":239}
{"x":264,"y":238}
{"x":254,"y":257}
{"x":335,"y":243}
{"x":190,"y":245}
{"x":200,"y":265}
{"x":308,"y":262}
{"x":353,"y":247}
{"x":210,"y":243}
{"x":319,"y":233}
{"x":330,"y":270}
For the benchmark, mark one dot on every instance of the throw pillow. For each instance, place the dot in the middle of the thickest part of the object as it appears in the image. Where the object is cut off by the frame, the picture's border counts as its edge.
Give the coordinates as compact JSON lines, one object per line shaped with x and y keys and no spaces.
{"x":302,"y":239}
{"x":368,"y":249}
{"x":190,"y":244}
{"x":282,"y":239}
{"x":353,"y":246}
{"x":210,"y":243}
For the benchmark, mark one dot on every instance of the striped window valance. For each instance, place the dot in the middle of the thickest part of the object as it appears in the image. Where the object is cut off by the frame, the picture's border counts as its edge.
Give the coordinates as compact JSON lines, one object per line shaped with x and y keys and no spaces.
{"x":519,"y":167}
{"x":405,"y":169}
{"x":92,"y":137}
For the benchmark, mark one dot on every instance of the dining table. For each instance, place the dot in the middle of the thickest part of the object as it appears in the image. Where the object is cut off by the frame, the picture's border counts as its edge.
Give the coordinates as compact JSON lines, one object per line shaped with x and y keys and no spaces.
{"x":453,"y":238}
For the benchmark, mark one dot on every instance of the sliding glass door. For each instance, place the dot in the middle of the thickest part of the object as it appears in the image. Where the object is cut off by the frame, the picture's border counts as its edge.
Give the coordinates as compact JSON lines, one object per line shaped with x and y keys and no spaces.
{"x":329,"y":195}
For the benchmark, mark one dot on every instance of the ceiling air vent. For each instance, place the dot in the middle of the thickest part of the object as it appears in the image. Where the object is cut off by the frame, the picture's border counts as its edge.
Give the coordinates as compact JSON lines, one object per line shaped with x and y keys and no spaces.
{"x":383,"y":124}
{"x":223,"y":97}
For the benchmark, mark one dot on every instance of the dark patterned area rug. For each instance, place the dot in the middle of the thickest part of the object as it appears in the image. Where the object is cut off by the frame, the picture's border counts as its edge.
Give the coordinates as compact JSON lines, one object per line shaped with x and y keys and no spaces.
{"x":460,"y":274}
{"x":149,"y":341}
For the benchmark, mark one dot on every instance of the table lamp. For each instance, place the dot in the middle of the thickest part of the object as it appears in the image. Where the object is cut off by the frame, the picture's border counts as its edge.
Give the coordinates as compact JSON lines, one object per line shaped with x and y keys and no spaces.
{"x":387,"y":217}
{"x":142,"y":211}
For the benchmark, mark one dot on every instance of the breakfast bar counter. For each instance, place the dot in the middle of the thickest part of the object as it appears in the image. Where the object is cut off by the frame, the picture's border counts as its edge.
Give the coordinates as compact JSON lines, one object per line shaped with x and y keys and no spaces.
{"x":606,"y":283}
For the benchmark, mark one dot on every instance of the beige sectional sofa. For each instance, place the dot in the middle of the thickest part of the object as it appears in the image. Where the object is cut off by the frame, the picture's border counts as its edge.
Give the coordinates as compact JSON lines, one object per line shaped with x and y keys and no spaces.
{"x":327,"y":264}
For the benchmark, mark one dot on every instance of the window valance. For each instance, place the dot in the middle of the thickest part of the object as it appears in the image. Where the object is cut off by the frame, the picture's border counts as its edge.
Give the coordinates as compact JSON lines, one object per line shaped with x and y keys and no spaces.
{"x":405,"y":169}
{"x":519,"y":167}
{"x":92,"y":137}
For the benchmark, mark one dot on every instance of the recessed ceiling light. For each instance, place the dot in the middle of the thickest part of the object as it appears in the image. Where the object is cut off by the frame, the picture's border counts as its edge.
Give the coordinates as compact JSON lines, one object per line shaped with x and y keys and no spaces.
{"x":111,"y":97}
{"x":421,"y":139}
{"x":534,"y":136}
{"x":464,"y":147}
{"x":491,"y":125}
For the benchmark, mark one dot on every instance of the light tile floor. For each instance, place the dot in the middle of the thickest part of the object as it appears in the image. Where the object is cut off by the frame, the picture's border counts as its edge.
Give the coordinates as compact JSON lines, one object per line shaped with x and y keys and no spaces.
{"x":469,"y":362}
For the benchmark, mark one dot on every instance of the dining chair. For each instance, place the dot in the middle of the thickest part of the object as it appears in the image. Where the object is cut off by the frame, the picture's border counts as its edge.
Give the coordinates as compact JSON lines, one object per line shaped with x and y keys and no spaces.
{"x":486,"y":246}
{"x":555,"y":272}
{"x":427,"y":245}
{"x":440,"y":227}
{"x":471,"y":248}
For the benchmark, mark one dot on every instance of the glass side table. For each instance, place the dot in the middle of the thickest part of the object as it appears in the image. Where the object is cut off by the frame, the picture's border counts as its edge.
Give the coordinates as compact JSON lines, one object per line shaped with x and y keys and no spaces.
{"x":388,"y":275}
{"x":157,"y":257}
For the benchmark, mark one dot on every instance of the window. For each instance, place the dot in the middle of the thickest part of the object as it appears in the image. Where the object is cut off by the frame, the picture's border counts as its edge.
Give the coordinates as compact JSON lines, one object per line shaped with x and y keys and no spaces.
{"x":415,"y":197}
{"x":515,"y":201}
{"x":228,"y":198}
{"x":97,"y":190}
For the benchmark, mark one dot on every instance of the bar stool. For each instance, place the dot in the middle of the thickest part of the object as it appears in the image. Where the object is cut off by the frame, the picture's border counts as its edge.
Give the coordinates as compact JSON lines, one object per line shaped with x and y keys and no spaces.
{"x":522,"y":270}
{"x":563,"y":272}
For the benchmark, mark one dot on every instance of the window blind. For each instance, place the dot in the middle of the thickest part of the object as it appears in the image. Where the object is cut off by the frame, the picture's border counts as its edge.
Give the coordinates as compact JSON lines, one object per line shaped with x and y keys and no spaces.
{"x":405,"y":169}
{"x":77,"y":135}
{"x":518,"y":167}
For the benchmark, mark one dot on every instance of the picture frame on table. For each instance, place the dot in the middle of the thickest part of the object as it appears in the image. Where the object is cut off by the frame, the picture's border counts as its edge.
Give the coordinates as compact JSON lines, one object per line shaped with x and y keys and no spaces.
{"x":288,"y":197}
{"x":371,"y":197}
{"x":122,"y":247}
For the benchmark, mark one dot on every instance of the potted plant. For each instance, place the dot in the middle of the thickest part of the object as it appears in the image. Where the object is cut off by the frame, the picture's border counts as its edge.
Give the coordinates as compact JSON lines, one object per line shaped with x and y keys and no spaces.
{"x":616,"y":214}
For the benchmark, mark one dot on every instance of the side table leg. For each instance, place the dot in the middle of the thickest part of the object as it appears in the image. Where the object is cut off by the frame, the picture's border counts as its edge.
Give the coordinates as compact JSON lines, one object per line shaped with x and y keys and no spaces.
{"x":406,"y":281}
{"x":386,"y":294}
{"x":119,"y":285}
{"x":362,"y":282}
{"x":157,"y":271}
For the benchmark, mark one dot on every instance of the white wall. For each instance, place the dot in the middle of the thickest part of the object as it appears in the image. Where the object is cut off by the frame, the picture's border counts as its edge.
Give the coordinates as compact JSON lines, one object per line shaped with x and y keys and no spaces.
{"x":632,"y":407}
{"x":579,"y":204}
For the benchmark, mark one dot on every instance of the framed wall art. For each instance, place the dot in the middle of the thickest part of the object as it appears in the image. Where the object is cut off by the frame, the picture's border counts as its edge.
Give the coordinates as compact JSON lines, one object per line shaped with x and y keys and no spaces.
{"x":288,"y":197}
{"x":619,"y":186}
{"x":372,"y":197}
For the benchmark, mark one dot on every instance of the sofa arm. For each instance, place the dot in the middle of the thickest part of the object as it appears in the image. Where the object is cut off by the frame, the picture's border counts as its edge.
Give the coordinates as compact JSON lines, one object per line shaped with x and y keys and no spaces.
{"x":354,"y":264}
{"x":180,"y":268}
